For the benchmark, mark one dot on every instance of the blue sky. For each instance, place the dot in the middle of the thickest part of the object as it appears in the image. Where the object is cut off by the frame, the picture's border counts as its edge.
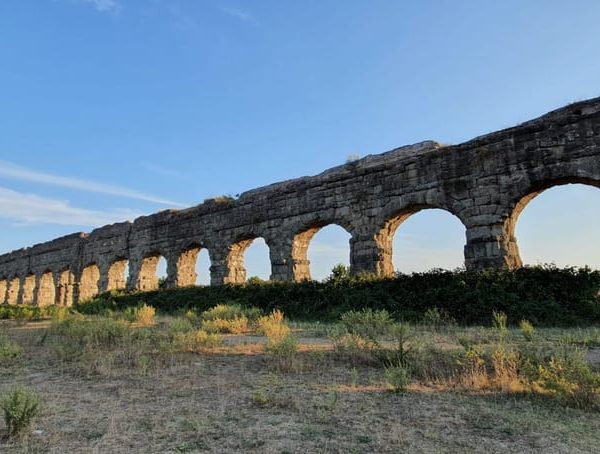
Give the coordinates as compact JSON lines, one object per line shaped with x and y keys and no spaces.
{"x":114,"y":108}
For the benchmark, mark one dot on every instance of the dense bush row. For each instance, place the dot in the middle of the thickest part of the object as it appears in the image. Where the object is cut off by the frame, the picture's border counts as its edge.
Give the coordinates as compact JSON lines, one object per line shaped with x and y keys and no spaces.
{"x":544,"y":295}
{"x":31,"y":312}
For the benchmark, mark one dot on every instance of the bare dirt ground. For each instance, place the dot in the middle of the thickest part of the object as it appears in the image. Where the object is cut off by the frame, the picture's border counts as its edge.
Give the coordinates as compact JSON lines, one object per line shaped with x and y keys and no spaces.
{"x":232,"y":400}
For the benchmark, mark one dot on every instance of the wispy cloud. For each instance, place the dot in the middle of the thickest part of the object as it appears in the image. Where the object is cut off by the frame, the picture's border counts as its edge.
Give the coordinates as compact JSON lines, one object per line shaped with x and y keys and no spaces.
{"x":104,"y":6}
{"x":28,"y":209}
{"x":161,"y":170}
{"x":11,"y":170}
{"x":240,"y":14}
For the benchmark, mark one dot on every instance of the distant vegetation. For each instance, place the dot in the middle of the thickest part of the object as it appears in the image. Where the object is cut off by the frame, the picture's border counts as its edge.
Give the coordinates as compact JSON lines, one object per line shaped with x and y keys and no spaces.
{"x":544,"y":295}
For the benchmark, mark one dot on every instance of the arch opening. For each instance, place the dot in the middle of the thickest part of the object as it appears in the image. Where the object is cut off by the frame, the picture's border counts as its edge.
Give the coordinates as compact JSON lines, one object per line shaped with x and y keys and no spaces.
{"x":319,"y":249}
{"x":46,"y":294}
{"x":117,"y":274}
{"x":202,"y":268}
{"x":257,"y":260}
{"x":66,"y":281}
{"x":88,"y":284}
{"x":28,"y":290}
{"x":193,"y":267}
{"x":253,"y":251}
{"x":423,"y":239}
{"x":559,"y":224}
{"x":153,"y":273}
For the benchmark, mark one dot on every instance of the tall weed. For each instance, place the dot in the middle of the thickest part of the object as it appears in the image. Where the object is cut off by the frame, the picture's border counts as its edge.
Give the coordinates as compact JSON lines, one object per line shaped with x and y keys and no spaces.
{"x":20,"y":406}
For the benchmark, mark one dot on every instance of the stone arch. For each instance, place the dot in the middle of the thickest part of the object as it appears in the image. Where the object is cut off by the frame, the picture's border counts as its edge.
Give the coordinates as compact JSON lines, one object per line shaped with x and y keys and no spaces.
{"x":374,"y":252}
{"x":13,"y":289}
{"x":186,"y":273}
{"x":520,"y":202}
{"x":28,"y":289}
{"x":300,"y":245}
{"x":235,"y":258}
{"x":89,"y":282}
{"x":46,"y":291}
{"x":65,"y":287}
{"x":116,"y":275}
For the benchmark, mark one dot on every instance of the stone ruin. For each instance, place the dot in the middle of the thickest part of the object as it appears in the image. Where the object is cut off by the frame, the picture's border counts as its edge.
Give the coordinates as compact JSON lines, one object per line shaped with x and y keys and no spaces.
{"x":485,"y":182}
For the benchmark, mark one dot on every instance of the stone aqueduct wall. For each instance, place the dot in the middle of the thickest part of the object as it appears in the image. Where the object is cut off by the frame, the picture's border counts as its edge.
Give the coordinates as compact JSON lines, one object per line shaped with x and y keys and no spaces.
{"x":485,"y":182}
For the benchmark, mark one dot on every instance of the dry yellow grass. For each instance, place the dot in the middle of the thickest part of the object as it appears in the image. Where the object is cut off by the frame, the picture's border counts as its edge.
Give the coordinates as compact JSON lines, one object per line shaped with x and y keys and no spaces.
{"x":227,"y":399}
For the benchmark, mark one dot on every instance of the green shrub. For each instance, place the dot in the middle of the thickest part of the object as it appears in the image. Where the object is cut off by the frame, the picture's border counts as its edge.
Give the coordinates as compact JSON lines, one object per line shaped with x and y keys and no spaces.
{"x":28,"y":312}
{"x":367,"y":323}
{"x":145,"y":315}
{"x":544,"y":295}
{"x":505,"y":363}
{"x":227,"y":311}
{"x":437,"y":319}
{"x":231,"y":311}
{"x":129,"y":314}
{"x":196,"y":341}
{"x":229,"y":318}
{"x":281,"y":346}
{"x":339,"y":274}
{"x":527,"y":330}
{"x":56,"y":312}
{"x":499,"y":322}
{"x":568,"y":378}
{"x":105,"y":304}
{"x":192,"y":317}
{"x":397,"y":378}
{"x":20,"y":406}
{"x":352,"y":348}
{"x":402,"y":349}
{"x":95,"y":331}
{"x":365,"y":335}
{"x":255,"y":280}
{"x":9,"y":350}
{"x":180,"y":325}
{"x":474,"y":373}
{"x":273,"y":326}
{"x":162,"y":282}
{"x":235,"y":326}
{"x":282,"y":352}
{"x":436,"y":365}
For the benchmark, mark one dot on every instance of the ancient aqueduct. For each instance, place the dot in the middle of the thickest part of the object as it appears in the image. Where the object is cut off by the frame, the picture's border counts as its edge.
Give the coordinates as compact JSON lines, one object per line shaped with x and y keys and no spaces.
{"x":485,"y":182}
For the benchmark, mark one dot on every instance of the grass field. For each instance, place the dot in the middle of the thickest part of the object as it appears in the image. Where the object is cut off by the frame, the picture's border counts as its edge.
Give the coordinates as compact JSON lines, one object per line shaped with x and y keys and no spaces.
{"x":143,"y":383}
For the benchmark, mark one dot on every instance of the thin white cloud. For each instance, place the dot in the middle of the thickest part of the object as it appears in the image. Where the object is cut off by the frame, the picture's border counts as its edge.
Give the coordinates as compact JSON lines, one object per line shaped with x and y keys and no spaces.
{"x":161,"y":170}
{"x":30,"y":209}
{"x":10,"y":170}
{"x":104,"y":6}
{"x":240,"y":14}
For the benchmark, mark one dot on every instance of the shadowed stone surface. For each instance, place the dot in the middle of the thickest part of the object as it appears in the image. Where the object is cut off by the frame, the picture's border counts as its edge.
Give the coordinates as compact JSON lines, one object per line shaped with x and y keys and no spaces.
{"x":485,"y":182}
